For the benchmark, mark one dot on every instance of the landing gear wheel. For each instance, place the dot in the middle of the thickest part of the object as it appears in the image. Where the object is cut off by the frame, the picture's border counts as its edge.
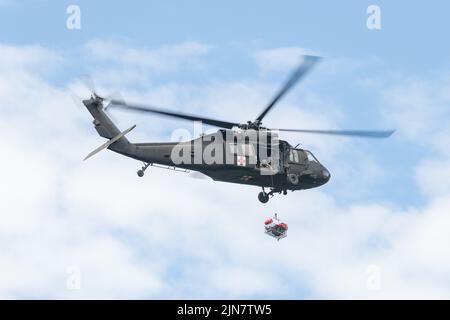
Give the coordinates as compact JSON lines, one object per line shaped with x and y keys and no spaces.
{"x":263,"y":197}
{"x":140,"y":173}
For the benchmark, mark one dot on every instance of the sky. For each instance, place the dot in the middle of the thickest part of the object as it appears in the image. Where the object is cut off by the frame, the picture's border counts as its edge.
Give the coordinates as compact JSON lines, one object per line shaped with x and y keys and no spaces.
{"x":71,"y":229}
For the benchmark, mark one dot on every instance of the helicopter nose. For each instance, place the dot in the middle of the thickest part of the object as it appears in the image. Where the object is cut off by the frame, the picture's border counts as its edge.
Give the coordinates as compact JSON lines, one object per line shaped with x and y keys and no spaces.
{"x":325,"y":175}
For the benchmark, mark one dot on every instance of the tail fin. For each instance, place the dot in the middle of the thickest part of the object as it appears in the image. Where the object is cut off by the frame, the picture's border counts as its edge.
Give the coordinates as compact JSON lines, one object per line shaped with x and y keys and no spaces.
{"x":103,"y":124}
{"x":107,"y":129}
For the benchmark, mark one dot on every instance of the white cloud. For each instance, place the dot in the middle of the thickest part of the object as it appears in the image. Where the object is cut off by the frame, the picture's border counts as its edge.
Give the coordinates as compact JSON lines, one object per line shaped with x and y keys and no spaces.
{"x":433,"y":177}
{"x":165,"y":58}
{"x":244,"y":281}
{"x":31,"y":58}
{"x":419,"y":108}
{"x":170,"y":236}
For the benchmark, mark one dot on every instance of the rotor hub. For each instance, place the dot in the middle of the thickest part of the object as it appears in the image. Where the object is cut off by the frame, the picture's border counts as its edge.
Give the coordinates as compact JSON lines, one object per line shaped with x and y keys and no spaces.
{"x":251,"y":125}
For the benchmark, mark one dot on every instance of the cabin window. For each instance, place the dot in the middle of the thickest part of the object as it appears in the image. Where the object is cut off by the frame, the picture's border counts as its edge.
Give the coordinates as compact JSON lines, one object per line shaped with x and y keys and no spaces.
{"x":233,"y":148}
{"x":242,"y":149}
{"x":248,"y":150}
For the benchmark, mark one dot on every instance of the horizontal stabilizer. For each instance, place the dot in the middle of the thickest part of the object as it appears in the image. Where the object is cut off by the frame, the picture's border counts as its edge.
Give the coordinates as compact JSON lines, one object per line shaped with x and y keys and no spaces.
{"x":109,"y":142}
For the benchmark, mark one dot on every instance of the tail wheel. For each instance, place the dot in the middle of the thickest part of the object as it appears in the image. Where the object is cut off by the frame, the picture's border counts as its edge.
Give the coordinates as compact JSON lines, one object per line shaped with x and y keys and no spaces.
{"x":140,"y":173}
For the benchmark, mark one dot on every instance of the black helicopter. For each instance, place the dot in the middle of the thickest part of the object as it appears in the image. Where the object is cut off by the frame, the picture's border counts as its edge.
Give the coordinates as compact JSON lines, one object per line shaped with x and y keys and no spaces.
{"x":244,"y":153}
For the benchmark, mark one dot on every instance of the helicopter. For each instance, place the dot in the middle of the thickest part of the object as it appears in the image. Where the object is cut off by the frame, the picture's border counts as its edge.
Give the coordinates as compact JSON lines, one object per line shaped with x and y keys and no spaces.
{"x":243,"y":153}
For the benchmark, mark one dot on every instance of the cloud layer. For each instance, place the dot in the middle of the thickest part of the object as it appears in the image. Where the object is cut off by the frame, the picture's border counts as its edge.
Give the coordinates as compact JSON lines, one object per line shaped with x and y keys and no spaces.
{"x":171,"y":236}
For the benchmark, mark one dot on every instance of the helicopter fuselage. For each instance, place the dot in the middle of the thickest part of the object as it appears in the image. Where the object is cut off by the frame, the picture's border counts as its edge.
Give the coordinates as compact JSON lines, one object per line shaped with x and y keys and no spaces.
{"x":250,"y":157}
{"x":280,"y":166}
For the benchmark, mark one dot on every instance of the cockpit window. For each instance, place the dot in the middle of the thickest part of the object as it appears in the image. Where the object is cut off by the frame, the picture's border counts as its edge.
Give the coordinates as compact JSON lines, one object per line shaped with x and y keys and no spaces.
{"x":311,"y":157}
{"x":301,"y":156}
{"x":293,"y":156}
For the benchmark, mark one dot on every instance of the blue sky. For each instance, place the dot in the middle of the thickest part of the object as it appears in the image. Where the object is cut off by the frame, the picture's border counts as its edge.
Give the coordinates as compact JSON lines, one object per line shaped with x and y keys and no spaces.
{"x":409,"y":31}
{"x":226,"y":59}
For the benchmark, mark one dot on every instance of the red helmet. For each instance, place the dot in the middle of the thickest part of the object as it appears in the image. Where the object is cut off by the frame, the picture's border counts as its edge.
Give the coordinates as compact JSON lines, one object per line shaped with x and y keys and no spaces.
{"x":283,"y":225}
{"x":268,"y":221}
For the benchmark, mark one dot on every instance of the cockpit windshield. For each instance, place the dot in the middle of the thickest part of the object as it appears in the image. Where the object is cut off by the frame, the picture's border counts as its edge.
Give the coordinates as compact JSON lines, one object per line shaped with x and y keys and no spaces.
{"x":301,"y":156}
{"x":311,"y":157}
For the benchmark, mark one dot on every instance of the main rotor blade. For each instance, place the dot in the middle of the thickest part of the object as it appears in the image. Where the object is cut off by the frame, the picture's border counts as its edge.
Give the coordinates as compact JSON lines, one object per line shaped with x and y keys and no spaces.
{"x":308,"y":63}
{"x":352,"y":133}
{"x":179,"y":115}
{"x":89,"y":83}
